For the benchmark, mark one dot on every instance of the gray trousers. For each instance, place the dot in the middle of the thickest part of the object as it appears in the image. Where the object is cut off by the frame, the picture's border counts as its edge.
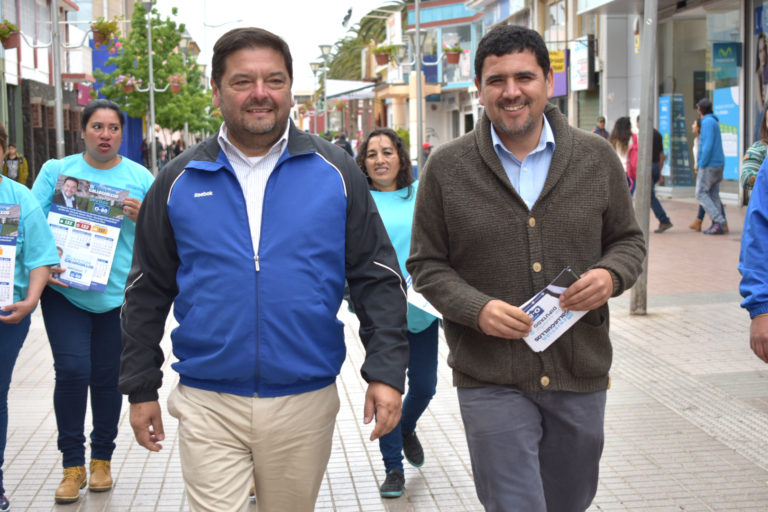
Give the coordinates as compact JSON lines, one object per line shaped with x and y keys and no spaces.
{"x":533,"y":452}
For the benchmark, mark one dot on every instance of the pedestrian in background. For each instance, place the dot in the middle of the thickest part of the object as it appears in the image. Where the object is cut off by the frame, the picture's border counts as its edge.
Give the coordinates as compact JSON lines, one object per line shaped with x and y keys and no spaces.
{"x":427,"y":149}
{"x":15,"y":165}
{"x":753,"y":265}
{"x":622,"y":139}
{"x":696,"y":224}
{"x":343,"y":143}
{"x":599,"y":128}
{"x":710,"y":161}
{"x":250,"y":235}
{"x":657,"y":162}
{"x":754,"y":156}
{"x":384,"y":158}
{"x":533,"y":421}
{"x":35,"y":254}
{"x":83,"y":326}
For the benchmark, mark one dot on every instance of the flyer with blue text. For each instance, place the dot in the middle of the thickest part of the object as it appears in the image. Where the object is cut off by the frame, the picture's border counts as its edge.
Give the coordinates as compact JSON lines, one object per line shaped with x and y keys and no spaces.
{"x":86,"y":218}
{"x":549,"y":320}
{"x":9,"y":230}
{"x":416,"y":299}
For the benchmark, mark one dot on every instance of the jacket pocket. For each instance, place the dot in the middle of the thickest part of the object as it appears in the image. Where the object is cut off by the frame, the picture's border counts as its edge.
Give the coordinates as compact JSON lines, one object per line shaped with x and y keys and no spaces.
{"x":591,"y":345}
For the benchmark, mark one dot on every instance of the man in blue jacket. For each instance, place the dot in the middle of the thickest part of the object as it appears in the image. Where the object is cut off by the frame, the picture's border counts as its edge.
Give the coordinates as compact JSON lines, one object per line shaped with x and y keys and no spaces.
{"x":711,"y":161}
{"x":251,"y":235}
{"x":753,"y":264}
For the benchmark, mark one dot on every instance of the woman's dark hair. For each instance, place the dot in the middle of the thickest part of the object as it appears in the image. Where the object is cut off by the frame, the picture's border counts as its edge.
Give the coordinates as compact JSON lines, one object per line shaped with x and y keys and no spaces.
{"x":405,"y":173}
{"x":504,"y":39}
{"x":247,"y":37}
{"x":99,"y":104}
{"x":762,"y":132}
{"x":621,"y":134}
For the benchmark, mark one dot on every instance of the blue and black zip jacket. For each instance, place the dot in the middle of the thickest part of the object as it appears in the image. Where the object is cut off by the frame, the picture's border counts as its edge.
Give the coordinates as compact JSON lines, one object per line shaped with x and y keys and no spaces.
{"x":262,"y":323}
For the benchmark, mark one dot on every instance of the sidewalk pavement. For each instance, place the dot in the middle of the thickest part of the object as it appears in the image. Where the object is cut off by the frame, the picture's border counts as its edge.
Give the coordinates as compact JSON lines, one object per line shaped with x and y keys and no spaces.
{"x":686,"y":419}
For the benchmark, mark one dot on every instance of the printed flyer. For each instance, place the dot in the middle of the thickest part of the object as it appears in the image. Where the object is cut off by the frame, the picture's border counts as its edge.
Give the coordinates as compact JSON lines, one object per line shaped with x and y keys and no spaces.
{"x":549,"y":321}
{"x":86,"y":218}
{"x":9,"y":229}
{"x":416,"y":299}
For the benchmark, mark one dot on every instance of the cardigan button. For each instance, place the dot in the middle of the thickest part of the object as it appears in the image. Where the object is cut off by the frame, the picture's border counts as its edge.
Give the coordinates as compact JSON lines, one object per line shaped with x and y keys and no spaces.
{"x":531,"y":222}
{"x":537,"y":267}
{"x":544,"y":381}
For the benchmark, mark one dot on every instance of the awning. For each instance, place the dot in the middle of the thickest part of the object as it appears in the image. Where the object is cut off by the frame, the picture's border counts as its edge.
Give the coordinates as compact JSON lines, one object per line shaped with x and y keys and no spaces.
{"x":349,"y":90}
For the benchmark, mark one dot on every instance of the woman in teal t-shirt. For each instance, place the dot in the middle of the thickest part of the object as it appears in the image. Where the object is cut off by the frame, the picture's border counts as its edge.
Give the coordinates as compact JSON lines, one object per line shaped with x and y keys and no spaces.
{"x":35,"y":252}
{"x":384,"y":159}
{"x":83,"y":325}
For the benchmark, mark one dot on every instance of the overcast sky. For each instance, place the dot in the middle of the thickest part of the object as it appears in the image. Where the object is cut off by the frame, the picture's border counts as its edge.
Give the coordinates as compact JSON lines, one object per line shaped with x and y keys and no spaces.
{"x":304,"y":24}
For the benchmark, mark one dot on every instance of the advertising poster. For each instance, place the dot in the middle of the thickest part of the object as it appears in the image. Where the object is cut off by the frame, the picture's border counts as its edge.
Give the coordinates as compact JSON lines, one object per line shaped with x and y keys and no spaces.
{"x":85,"y":219}
{"x":726,"y":109}
{"x":558,"y":61}
{"x":9,"y":229}
{"x":665,"y":129}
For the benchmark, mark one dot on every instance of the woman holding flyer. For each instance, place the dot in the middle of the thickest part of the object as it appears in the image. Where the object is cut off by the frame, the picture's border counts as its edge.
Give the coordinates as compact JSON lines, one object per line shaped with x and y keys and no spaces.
{"x":34,"y":250}
{"x":81,"y":307}
{"x":385,"y":160}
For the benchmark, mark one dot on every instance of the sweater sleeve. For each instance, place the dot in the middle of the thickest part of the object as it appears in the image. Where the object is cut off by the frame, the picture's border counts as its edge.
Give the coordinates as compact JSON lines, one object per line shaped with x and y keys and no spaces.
{"x":429,"y":264}
{"x":706,"y":140}
{"x":150,"y":290}
{"x":753,"y":257}
{"x":753,"y":160}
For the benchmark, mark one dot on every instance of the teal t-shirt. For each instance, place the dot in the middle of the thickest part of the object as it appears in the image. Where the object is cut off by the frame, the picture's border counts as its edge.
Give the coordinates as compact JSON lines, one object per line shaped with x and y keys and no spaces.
{"x":34,"y":242}
{"x":126,"y":175}
{"x":396,"y":210}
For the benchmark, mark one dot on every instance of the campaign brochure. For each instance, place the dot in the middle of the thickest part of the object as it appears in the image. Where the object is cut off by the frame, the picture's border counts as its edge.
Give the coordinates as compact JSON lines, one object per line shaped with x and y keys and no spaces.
{"x":86,"y":218}
{"x":549,"y":320}
{"x":9,"y":230}
{"x":416,"y":299}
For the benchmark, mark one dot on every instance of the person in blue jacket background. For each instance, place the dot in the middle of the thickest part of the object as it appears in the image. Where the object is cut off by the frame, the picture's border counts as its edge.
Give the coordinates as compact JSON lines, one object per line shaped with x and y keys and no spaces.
{"x":711,"y":162}
{"x":753,"y":264}
{"x":35,"y":254}
{"x":384,"y":159}
{"x":251,"y":235}
{"x":83,"y":326}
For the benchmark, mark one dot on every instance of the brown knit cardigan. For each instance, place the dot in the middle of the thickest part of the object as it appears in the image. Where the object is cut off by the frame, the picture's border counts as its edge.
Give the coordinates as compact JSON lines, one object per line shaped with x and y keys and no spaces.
{"x":475,"y":240}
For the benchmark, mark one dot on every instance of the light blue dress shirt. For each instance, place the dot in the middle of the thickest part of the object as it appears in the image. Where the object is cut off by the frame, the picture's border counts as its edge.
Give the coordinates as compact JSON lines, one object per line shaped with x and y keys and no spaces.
{"x":528,"y":176}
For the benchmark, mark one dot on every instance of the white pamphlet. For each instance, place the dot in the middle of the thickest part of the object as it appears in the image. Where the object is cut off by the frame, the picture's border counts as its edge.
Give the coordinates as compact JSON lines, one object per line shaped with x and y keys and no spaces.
{"x":416,"y":299}
{"x":9,"y":230}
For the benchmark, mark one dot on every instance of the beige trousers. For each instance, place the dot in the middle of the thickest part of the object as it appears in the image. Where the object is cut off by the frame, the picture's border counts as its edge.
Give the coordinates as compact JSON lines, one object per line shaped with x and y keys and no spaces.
{"x":226,"y":442}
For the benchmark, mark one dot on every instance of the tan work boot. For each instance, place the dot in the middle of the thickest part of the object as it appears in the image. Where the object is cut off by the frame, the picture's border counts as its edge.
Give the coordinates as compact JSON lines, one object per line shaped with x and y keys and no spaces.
{"x":101,"y":477}
{"x":696,"y":225}
{"x":69,"y":488}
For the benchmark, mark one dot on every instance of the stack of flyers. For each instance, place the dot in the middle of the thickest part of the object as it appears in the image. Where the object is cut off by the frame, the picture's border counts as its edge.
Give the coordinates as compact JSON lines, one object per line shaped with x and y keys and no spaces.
{"x":9,"y":230}
{"x":549,"y":320}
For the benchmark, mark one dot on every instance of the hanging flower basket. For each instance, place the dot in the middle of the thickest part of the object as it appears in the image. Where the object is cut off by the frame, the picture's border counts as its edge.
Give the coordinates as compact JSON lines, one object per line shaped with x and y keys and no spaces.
{"x":383,"y":54}
{"x":12,"y":41}
{"x":104,"y":31}
{"x":128,"y":88}
{"x":127,"y":83}
{"x":176,"y":81}
{"x":381,"y":58}
{"x":452,"y":57}
{"x":175,"y":88}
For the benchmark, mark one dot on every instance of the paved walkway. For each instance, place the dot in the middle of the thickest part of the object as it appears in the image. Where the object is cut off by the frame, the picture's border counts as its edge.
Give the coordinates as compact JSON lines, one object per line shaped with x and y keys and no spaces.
{"x":686,"y":421}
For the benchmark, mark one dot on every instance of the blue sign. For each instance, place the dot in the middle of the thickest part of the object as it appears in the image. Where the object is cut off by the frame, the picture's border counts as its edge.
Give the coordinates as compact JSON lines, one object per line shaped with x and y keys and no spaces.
{"x":726,"y":109}
{"x":726,"y":60}
{"x":665,"y":129}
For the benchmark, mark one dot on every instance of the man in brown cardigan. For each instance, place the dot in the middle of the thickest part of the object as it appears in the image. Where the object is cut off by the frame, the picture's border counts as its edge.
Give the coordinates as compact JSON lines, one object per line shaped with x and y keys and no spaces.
{"x":500,"y":212}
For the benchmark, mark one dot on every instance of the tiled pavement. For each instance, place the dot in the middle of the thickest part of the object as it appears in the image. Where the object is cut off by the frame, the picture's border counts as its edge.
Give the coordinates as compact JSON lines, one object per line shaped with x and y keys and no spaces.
{"x":686,"y":421}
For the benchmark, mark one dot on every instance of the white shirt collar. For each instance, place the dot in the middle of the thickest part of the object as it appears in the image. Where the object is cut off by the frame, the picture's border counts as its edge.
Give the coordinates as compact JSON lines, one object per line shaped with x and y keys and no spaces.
{"x":233,"y":151}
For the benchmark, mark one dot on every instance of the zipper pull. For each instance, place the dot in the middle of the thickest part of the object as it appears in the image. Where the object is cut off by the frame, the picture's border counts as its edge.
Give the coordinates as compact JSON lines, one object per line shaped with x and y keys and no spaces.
{"x":256,"y":260}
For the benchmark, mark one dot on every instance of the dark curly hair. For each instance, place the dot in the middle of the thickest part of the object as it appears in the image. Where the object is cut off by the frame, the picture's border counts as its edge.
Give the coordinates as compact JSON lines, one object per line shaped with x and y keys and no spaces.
{"x":405,"y":174}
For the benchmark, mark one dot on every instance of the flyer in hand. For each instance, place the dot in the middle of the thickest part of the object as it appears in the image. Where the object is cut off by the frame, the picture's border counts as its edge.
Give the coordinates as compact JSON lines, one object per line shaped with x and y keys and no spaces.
{"x":86,"y":218}
{"x":9,"y":230}
{"x":416,"y":299}
{"x":549,"y":320}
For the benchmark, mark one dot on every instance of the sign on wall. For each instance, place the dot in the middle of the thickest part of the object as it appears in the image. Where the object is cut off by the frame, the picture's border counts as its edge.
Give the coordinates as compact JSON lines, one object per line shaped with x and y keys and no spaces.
{"x":726,"y":108}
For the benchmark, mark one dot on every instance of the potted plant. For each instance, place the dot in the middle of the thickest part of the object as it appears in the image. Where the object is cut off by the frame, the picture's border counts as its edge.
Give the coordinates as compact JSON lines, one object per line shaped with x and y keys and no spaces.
{"x":176,"y":81}
{"x":384,"y":53}
{"x":9,"y":34}
{"x":104,"y":31}
{"x":128,"y":83}
{"x":452,"y":53}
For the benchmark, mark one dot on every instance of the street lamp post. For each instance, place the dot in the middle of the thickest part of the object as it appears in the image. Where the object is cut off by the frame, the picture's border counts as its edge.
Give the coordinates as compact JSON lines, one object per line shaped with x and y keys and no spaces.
{"x":315,"y":66}
{"x":151,"y":88}
{"x":325,"y":52}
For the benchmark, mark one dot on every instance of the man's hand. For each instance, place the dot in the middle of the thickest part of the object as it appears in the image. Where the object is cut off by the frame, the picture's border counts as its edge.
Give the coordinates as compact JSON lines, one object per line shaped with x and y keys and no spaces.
{"x":147,"y":425}
{"x":497,"y":318}
{"x":385,"y":403}
{"x":758,"y":336}
{"x":590,"y":291}
{"x":131,"y":207}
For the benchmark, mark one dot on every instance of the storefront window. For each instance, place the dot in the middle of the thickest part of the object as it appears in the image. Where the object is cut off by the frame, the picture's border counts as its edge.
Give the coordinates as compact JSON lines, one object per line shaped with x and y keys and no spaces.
{"x":554,"y":26}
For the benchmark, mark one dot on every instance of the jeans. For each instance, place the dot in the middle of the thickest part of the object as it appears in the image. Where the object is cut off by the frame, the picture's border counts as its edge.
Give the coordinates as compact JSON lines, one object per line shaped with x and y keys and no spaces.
{"x":422,"y":382}
{"x":658,"y":210}
{"x":86,"y":354}
{"x":708,"y":192}
{"x":11,"y":339}
{"x":537,"y":452}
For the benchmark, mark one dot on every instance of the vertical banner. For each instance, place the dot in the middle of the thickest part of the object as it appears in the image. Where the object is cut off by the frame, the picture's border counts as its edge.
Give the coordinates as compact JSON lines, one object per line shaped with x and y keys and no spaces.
{"x":665,"y":129}
{"x":678,"y":162}
{"x":726,"y":108}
